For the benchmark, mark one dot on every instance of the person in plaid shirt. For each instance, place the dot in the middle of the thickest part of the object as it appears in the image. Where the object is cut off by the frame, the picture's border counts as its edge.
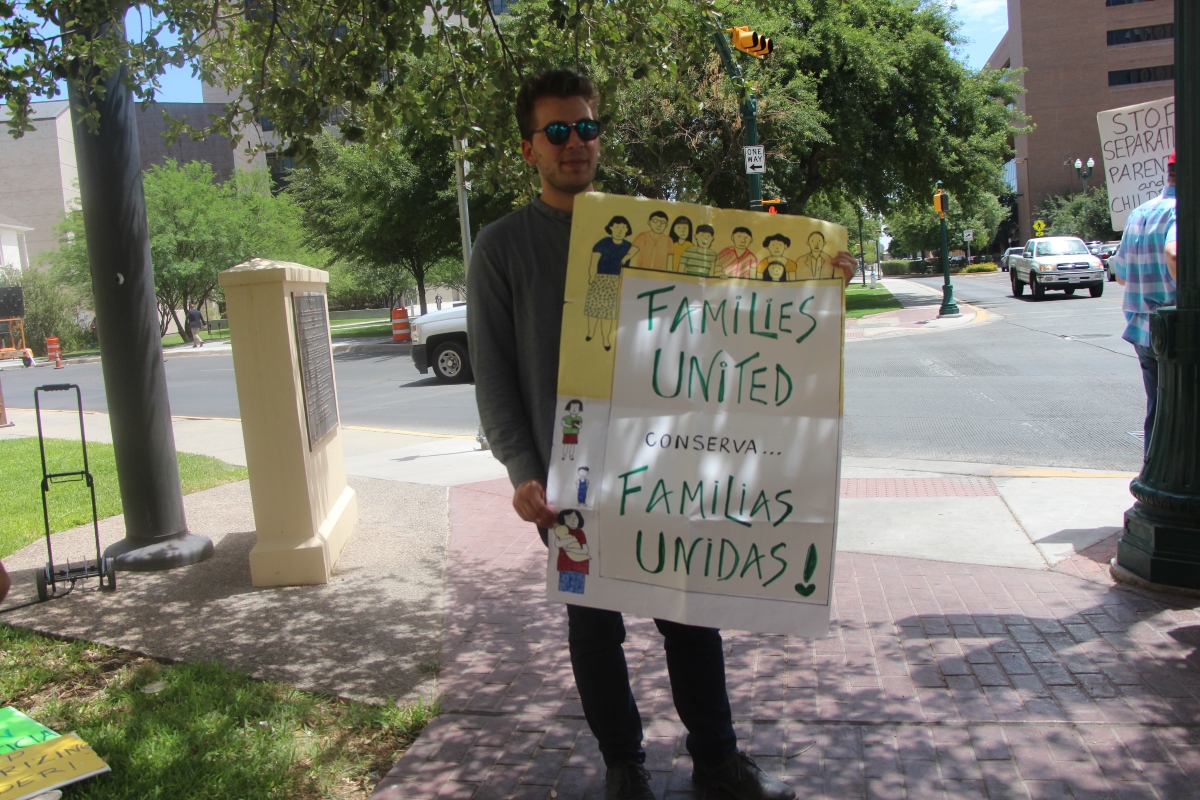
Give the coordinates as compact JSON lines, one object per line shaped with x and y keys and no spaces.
{"x":1145,"y":267}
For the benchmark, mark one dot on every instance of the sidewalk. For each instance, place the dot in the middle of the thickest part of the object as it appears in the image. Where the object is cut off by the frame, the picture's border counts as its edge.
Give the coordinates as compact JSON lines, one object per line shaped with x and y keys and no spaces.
{"x":978,"y":647}
{"x":920,"y":313}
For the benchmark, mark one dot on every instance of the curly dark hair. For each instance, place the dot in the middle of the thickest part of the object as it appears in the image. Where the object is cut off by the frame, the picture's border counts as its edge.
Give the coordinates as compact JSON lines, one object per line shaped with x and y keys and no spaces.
{"x":551,"y":83}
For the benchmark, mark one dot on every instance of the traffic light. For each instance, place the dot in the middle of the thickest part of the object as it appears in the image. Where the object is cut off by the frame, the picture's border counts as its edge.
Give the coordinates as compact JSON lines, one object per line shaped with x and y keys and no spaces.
{"x":751,"y":42}
{"x":776,"y":206}
{"x":941,"y":202}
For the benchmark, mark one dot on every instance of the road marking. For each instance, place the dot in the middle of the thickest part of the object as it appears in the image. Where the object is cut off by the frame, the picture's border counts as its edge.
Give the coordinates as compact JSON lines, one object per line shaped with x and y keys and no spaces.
{"x":1034,"y":472}
{"x":410,"y":433}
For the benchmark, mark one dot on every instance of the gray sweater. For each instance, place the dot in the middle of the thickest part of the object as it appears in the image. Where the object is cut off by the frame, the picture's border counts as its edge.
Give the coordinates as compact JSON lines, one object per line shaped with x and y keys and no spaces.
{"x":515,"y":291}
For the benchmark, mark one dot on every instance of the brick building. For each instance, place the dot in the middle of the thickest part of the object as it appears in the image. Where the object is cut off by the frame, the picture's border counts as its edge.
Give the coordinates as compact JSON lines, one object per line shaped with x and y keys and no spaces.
{"x":39,"y":180}
{"x":1081,"y":57}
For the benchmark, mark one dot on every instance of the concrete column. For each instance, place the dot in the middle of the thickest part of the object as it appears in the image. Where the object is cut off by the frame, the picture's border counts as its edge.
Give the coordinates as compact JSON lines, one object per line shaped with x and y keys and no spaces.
{"x":303,"y":510}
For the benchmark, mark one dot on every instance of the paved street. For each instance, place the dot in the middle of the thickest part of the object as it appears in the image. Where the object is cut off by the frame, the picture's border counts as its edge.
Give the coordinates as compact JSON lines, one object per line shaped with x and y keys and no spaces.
{"x":1013,"y":391}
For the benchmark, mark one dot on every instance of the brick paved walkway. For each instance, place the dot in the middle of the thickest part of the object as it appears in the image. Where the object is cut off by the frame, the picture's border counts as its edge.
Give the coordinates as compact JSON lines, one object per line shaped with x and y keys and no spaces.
{"x":937,"y":680}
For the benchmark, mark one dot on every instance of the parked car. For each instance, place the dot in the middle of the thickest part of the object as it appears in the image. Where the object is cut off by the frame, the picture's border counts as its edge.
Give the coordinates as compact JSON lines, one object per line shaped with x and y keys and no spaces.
{"x":1107,"y":250}
{"x":1007,"y":253}
{"x":439,"y":341}
{"x":1055,"y":263}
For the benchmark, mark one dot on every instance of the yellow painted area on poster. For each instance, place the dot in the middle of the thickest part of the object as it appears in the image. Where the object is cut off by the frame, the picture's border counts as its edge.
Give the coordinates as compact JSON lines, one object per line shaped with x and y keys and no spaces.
{"x":611,"y":232}
{"x":33,"y":770}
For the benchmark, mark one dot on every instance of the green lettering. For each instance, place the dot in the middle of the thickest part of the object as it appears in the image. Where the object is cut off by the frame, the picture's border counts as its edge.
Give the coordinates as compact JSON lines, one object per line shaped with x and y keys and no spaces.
{"x":784,"y":315}
{"x":782,"y":563}
{"x":678,"y":379}
{"x":717,"y":313}
{"x":704,"y":378}
{"x":683,"y":312}
{"x":752,"y":559}
{"x":698,"y":496}
{"x":807,"y":333}
{"x":686,"y":552}
{"x":721,"y":561}
{"x":754,"y":385}
{"x":779,"y":499}
{"x":656,"y":498}
{"x":652,"y":308}
{"x":780,"y":372}
{"x":753,"y":303}
{"x":741,"y":368}
{"x":662,"y":553}
{"x":761,"y":502}
{"x":625,"y":490}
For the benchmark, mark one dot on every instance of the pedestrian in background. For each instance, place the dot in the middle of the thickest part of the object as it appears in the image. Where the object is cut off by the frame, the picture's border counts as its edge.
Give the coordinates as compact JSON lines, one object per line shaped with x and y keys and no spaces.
{"x":1146,"y":271}
{"x":195,"y":321}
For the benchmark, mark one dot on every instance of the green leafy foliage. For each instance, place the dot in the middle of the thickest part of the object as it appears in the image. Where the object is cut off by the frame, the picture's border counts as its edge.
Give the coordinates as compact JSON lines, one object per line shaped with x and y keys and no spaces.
{"x":390,"y":213}
{"x":51,"y":309}
{"x":1085,"y":214}
{"x":917,"y":228}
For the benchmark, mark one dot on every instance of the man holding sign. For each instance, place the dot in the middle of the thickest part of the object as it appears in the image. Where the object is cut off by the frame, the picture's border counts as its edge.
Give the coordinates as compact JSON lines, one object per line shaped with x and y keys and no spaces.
{"x":517,"y":283}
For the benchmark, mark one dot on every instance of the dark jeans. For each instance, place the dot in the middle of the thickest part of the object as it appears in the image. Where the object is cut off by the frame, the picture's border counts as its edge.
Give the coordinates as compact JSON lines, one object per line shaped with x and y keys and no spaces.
{"x":695,"y":662}
{"x":1150,"y":381}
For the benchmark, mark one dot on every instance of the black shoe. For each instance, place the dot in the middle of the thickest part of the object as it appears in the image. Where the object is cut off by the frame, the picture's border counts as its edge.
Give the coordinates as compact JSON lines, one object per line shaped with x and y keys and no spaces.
{"x":741,"y":778}
{"x":628,"y":780}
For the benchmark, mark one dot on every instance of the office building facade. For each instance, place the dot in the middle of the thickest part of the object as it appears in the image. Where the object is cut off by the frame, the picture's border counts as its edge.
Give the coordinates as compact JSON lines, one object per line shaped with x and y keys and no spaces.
{"x":1081,"y":57}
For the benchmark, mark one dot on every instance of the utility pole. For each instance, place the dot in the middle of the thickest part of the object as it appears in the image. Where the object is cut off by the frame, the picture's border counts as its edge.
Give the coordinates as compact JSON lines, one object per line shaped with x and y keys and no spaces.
{"x":1161,"y":542}
{"x":862,"y":258}
{"x":135,"y":380}
{"x":941,"y":202}
{"x":748,"y":108}
{"x":464,"y":208}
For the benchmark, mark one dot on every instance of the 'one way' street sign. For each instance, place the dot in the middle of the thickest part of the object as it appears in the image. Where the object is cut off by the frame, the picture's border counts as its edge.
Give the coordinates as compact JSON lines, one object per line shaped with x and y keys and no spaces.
{"x":756,"y":159}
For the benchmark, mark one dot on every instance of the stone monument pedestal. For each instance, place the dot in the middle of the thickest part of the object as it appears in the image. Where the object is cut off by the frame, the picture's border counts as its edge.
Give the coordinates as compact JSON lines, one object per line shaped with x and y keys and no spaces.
{"x":282,"y":360}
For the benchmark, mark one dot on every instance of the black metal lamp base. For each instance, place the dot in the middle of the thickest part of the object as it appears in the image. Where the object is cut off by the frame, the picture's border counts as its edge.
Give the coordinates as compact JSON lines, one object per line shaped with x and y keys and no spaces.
{"x":1158,"y":552}
{"x":182,"y":550}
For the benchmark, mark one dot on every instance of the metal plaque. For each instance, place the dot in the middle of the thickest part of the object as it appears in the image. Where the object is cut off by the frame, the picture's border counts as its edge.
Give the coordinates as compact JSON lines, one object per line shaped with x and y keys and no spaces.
{"x":316,"y":365}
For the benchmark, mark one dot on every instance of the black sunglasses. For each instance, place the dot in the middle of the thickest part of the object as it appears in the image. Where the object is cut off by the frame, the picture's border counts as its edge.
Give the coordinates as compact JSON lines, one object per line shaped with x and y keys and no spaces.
{"x":560,"y":132}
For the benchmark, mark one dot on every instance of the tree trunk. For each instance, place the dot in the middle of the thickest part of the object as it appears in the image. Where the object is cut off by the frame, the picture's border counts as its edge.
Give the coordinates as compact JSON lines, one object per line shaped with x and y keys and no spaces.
{"x":135,"y":383}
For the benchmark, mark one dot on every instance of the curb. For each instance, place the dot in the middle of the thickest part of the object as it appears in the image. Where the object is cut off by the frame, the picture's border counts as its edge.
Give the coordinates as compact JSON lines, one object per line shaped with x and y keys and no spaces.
{"x":382,"y":348}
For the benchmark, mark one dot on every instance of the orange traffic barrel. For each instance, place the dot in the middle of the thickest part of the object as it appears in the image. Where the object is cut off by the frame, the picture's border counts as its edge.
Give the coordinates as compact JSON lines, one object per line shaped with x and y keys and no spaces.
{"x":400,"y":328}
{"x":53,"y":351}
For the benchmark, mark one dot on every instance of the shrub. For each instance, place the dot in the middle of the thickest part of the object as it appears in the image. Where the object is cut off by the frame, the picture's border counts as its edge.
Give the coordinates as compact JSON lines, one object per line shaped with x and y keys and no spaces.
{"x":50,"y":310}
{"x":896,"y":267}
{"x":985,"y":266}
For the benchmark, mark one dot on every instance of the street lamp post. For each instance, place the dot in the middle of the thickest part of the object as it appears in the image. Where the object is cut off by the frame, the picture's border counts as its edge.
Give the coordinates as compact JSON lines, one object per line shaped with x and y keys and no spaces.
{"x":749,"y":111}
{"x":949,"y":307}
{"x":1085,"y":174}
{"x":1161,"y":542}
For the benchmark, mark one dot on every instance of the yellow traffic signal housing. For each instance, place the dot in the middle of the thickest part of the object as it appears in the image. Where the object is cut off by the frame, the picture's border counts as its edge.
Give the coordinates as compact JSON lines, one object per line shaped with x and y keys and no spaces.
{"x":941,"y":202}
{"x":776,"y":206}
{"x":751,"y":42}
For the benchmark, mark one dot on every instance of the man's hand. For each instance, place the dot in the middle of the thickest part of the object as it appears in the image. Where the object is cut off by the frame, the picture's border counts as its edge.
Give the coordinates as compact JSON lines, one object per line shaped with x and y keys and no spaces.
{"x":529,"y":500}
{"x":847,"y":263}
{"x":1171,"y":253}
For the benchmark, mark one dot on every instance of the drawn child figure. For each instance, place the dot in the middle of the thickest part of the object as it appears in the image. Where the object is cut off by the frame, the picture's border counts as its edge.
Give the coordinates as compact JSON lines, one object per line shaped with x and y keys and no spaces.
{"x":653,"y":246}
{"x":571,"y":424}
{"x":700,"y":258}
{"x":604,"y":278}
{"x":816,"y":263}
{"x":581,"y":485}
{"x":737,"y":261}
{"x":573,"y":555}
{"x":681,"y":237}
{"x":774,"y":264}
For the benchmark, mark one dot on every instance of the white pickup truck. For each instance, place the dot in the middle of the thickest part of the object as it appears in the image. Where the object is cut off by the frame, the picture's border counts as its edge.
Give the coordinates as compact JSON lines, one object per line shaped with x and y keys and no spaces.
{"x":1055,"y":263}
{"x":439,"y":340}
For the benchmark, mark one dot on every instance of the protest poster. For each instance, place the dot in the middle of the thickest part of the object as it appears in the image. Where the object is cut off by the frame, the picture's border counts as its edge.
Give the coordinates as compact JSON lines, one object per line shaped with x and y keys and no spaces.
{"x":18,"y":731}
{"x":37,"y":769}
{"x":699,"y":403}
{"x":1136,"y":141}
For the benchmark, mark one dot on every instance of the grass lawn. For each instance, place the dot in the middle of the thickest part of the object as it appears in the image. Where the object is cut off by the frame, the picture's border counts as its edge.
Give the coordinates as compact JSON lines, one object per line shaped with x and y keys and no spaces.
{"x":208,"y":733}
{"x":360,"y":327}
{"x":863,"y":301}
{"x":70,"y":504}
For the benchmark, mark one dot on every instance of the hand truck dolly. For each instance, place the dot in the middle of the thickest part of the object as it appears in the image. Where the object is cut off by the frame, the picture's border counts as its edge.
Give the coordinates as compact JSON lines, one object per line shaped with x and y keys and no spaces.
{"x":104,"y":569}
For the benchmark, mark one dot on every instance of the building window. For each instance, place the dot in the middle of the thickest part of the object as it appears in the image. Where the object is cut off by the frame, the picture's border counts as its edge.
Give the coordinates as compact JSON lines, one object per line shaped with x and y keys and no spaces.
{"x":499,"y":6}
{"x":1121,"y":2}
{"x":1009,"y":174}
{"x":280,"y":168}
{"x":1127,"y":77}
{"x":1149,"y":33}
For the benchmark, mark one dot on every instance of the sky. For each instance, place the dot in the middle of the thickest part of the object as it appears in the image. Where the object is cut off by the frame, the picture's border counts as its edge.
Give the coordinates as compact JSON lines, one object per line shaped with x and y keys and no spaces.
{"x":984,"y":23}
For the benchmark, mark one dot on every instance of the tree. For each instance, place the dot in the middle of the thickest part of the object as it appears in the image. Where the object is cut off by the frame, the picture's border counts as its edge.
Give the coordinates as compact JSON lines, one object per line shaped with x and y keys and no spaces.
{"x":198,"y":227}
{"x":918,"y":228}
{"x":390,"y":213}
{"x":1084,"y":214}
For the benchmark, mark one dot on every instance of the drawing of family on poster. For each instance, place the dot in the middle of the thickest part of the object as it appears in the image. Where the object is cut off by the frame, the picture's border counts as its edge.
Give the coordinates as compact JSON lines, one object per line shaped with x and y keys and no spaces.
{"x":674,"y":246}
